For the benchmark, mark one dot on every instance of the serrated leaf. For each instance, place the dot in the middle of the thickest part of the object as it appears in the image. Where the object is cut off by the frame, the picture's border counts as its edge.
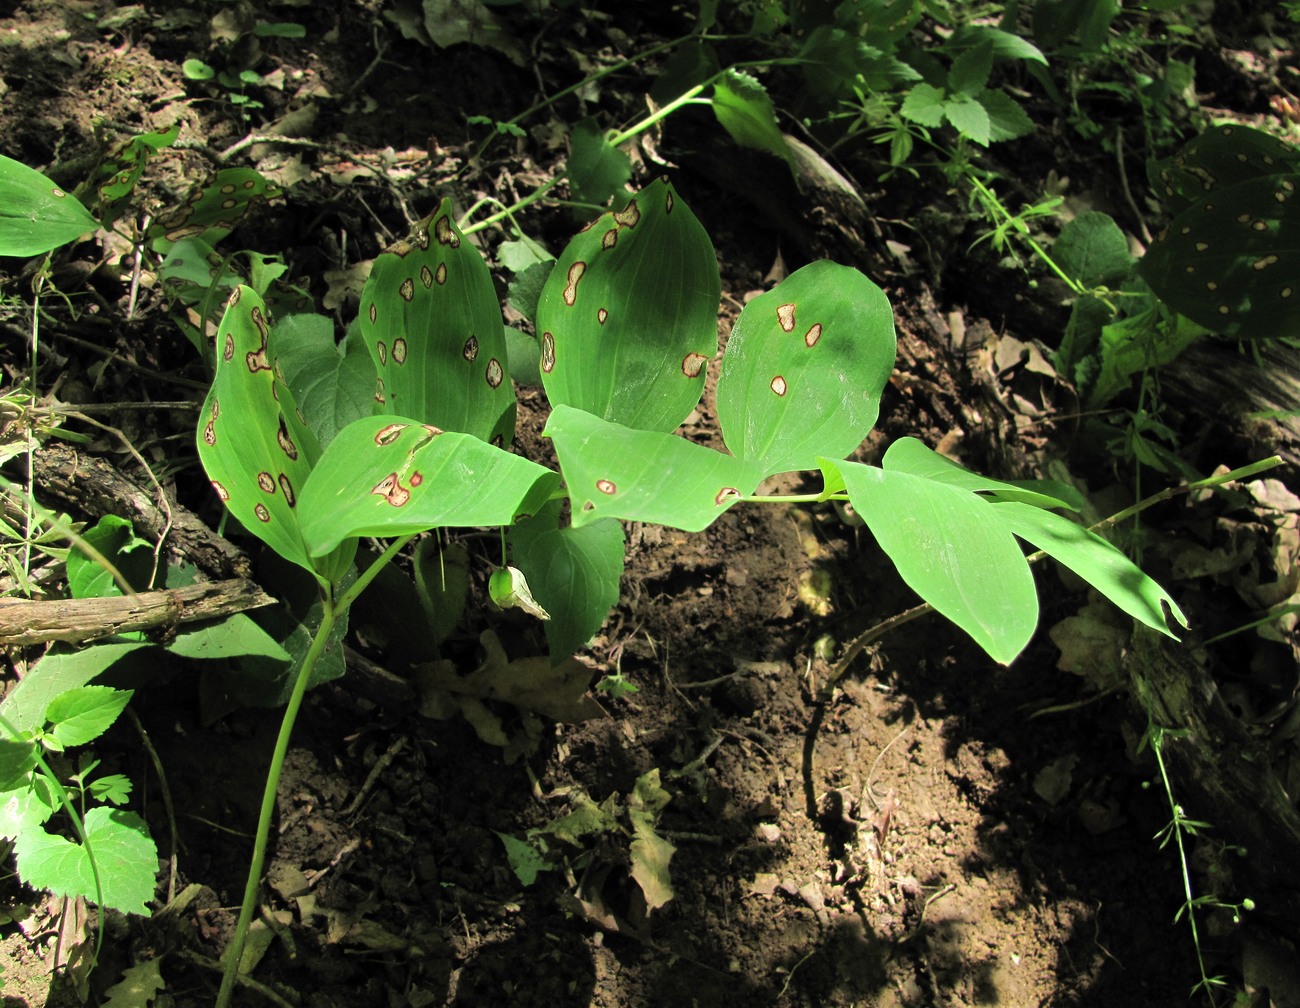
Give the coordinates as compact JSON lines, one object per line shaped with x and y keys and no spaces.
{"x":628,"y":316}
{"x":575,"y":574}
{"x":1095,"y":560}
{"x":526,"y":861}
{"x":233,"y":636}
{"x":969,"y":118}
{"x":804,"y":369}
{"x":115,"y":539}
{"x":1093,"y":250}
{"x":1007,"y":119}
{"x":35,"y":214}
{"x":746,"y":112}
{"x":969,"y":74}
{"x":391,"y":476}
{"x":17,"y":757}
{"x":650,"y":852}
{"x":85,"y":712}
{"x":924,"y":104}
{"x":25,"y":706}
{"x":952,"y":550}
{"x":614,"y":471}
{"x":25,"y":808}
{"x":333,"y":384}
{"x":432,"y":322}
{"x":138,"y":986}
{"x":598,"y":171}
{"x":112,"y":788}
{"x":125,"y":858}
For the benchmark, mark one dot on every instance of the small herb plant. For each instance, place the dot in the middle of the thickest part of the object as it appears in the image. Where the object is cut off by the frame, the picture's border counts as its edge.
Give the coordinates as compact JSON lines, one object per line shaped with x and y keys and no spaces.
{"x":626,"y":326}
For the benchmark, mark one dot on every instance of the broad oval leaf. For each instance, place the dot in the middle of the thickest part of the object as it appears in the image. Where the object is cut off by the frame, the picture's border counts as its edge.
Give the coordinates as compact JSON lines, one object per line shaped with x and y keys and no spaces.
{"x":910,"y":455}
{"x":628,"y":316}
{"x":614,"y":471}
{"x":251,"y":438}
{"x":804,"y":369}
{"x":217,"y":205}
{"x":430,"y":316}
{"x":952,"y":549}
{"x":1222,"y":156}
{"x":35,"y":214}
{"x":390,"y":476}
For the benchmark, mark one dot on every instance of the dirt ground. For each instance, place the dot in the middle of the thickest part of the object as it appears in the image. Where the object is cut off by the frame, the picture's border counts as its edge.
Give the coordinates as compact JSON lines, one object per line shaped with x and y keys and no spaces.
{"x":954,"y":833}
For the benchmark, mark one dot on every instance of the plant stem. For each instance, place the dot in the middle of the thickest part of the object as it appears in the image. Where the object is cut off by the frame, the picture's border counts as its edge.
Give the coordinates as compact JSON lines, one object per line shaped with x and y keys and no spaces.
{"x":332,"y":610}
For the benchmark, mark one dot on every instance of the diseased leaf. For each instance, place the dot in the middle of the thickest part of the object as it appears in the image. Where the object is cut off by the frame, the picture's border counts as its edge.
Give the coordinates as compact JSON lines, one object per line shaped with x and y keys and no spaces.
{"x":37,"y":216}
{"x":84,"y":713}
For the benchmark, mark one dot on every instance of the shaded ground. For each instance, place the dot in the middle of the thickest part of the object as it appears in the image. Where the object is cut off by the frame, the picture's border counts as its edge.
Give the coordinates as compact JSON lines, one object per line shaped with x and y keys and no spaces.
{"x":959,"y":850}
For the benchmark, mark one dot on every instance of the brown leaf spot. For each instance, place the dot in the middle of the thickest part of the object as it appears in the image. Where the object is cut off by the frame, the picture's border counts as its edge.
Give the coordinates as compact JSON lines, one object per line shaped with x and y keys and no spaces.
{"x":778,"y":385}
{"x":470,"y":350}
{"x":628,"y":216}
{"x":548,"y":352}
{"x":407,"y":290}
{"x":495,"y":373}
{"x":785,"y":315}
{"x":606,"y":486}
{"x":259,"y":320}
{"x":374,"y":312}
{"x":1285,"y":292}
{"x":399,"y":351}
{"x":387,"y":435}
{"x":811,"y":337}
{"x":262,"y":513}
{"x":210,"y":434}
{"x":382,"y":349}
{"x":286,"y":442}
{"x":571,"y":288}
{"x":256,"y":360}
{"x":433,"y":431}
{"x":601,"y":315}
{"x":443,"y":231}
{"x":426,"y":276}
{"x":266,"y":481}
{"x":440,"y":276}
{"x":609,"y":239}
{"x":289,"y":496}
{"x":668,"y":202}
{"x":693,"y":364}
{"x":379,"y":391}
{"x":228,"y":351}
{"x":417,"y":478}
{"x":222,"y":492}
{"x":234,"y":297}
{"x":392,"y":490}
{"x":724,"y":495}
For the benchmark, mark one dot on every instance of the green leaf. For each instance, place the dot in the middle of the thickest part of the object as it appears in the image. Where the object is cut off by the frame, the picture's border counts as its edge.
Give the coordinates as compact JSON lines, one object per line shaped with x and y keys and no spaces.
{"x":575,"y":574}
{"x":26,"y":808}
{"x":1092,"y":249}
{"x":84,"y":713}
{"x":217,"y":205}
{"x":333,"y":384}
{"x":508,"y":589}
{"x":138,"y":986}
{"x":113,"y":788}
{"x":124,"y":856}
{"x":598,"y":171}
{"x":525,"y":290}
{"x":951,"y":548}
{"x":970,"y":70}
{"x":430,"y":316}
{"x":442,"y":583}
{"x":391,"y":476}
{"x":1231,"y":262}
{"x":25,"y":706}
{"x":526,"y":861}
{"x":969,"y":118}
{"x":251,"y":438}
{"x":519,"y":255}
{"x":614,"y":471}
{"x":1095,"y":560}
{"x":924,"y":104}
{"x":115,"y":539}
{"x":1133,"y":345}
{"x":197,"y":70}
{"x":279,"y":29}
{"x":1005,"y":45}
{"x":804,"y":369}
{"x":628,"y":316}
{"x":745,"y":111}
{"x":232,"y":636}
{"x":1222,"y":156}
{"x":35,"y":214}
{"x":912,"y":456}
{"x":450,"y":22}
{"x":1007,"y":120}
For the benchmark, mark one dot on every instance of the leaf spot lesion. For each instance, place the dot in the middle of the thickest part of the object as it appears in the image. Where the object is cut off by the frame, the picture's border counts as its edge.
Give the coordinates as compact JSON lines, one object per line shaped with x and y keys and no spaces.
{"x":814,"y":333}
{"x":390,"y":488}
{"x":495,"y":373}
{"x":470,"y":350}
{"x":785,"y":316}
{"x":693,"y":364}
{"x":778,"y":385}
{"x":388,"y":434}
{"x":571,"y":288}
{"x":606,"y":486}
{"x":548,"y":352}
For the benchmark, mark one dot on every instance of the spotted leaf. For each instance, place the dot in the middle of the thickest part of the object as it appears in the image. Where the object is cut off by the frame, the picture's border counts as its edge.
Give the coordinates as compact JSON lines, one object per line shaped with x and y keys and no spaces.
{"x":1220,"y":157}
{"x":638,"y":475}
{"x":35,"y":214}
{"x":390,"y":476}
{"x":251,"y":440}
{"x":430,"y":316}
{"x":1231,"y":261}
{"x":627,"y":320}
{"x":804,"y":369}
{"x":219,"y":203}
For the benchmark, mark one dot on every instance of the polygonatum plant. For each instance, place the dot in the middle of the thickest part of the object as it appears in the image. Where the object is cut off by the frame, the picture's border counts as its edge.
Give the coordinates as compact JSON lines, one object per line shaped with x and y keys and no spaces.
{"x":626,"y":325}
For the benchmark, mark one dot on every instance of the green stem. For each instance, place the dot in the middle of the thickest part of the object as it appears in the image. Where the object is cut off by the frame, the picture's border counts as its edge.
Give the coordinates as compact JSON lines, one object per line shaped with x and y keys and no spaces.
{"x":990,"y":200}
{"x":333,"y":609}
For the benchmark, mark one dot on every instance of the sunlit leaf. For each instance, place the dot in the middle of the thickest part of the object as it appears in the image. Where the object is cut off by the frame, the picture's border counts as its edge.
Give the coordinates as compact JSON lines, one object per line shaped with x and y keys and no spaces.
{"x":35,"y":214}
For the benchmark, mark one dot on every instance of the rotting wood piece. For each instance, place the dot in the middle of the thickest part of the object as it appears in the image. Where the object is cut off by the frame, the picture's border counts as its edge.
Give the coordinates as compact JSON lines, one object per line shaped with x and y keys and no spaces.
{"x":1222,"y":774}
{"x":76,"y":621}
{"x":91,"y":486}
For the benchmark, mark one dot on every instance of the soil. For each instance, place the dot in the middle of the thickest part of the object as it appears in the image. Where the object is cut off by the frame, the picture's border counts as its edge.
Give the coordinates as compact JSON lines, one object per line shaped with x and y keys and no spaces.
{"x":940,"y":831}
